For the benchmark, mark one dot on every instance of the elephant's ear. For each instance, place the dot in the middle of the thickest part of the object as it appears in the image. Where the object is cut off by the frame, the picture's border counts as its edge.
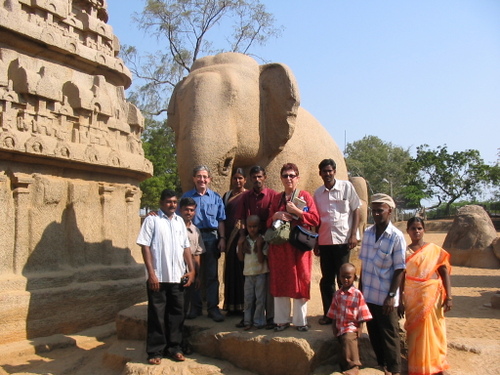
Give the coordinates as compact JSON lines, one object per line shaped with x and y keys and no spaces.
{"x":279,"y":104}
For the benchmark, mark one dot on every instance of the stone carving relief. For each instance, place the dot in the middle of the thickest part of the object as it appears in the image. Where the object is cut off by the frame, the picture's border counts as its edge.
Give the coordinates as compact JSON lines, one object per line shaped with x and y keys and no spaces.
{"x":71,"y":160}
{"x":53,"y":101}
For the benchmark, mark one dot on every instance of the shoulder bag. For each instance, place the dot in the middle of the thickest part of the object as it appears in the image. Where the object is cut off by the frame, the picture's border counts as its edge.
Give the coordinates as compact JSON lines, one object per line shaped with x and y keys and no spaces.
{"x":302,"y":238}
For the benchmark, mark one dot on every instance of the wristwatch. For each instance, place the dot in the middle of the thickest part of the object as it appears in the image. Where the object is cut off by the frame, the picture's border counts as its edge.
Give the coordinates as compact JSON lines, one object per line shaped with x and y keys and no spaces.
{"x":392,"y":294}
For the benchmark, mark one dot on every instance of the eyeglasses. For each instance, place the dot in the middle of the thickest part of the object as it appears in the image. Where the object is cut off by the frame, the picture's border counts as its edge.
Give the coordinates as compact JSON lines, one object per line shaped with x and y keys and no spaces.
{"x":292,"y":176}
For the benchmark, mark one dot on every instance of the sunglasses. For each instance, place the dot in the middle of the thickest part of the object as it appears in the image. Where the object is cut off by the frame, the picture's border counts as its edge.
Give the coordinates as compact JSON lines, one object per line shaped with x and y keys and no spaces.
{"x":292,"y":176}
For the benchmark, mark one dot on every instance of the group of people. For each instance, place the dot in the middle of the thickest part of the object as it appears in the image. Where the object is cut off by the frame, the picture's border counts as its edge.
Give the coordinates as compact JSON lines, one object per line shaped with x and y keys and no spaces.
{"x":269,"y":283}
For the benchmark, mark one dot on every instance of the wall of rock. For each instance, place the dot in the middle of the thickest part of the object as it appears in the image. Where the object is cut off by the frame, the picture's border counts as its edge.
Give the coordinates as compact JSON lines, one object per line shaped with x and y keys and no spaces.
{"x":71,"y":160}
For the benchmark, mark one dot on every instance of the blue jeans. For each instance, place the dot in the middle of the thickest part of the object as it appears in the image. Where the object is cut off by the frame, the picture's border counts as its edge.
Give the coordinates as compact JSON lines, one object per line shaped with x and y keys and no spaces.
{"x":210,"y":264}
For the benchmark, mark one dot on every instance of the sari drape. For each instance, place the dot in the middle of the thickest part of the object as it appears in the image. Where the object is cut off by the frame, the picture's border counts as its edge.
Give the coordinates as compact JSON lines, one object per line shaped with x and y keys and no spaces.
{"x":234,"y":280}
{"x":424,"y":295}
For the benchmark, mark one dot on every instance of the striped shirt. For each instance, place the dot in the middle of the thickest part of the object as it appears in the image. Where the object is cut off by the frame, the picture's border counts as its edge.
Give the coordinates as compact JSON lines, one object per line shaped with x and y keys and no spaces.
{"x":380,"y":259}
{"x":348,"y":309}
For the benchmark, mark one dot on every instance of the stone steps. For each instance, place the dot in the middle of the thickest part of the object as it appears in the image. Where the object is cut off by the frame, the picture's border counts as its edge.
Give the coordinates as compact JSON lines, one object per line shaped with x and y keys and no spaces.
{"x":259,"y":351}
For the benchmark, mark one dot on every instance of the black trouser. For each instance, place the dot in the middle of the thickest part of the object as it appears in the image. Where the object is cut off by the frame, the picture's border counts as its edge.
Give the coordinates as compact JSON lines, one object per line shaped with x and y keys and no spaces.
{"x":165,"y":319}
{"x":331,"y":257}
{"x":384,"y":337}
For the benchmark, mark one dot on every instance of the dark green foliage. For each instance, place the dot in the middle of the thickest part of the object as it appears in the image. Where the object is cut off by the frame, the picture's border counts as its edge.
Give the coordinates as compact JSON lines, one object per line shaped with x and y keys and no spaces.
{"x":159,"y":148}
{"x":451,"y":176}
{"x":382,"y":164}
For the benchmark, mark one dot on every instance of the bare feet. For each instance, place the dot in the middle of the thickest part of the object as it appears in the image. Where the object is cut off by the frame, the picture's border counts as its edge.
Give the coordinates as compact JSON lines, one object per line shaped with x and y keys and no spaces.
{"x":154,"y":360}
{"x":178,"y":357}
{"x":352,"y":371}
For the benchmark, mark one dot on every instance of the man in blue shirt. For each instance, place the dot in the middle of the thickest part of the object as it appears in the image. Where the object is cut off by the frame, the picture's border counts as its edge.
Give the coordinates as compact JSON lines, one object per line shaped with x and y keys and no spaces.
{"x":209,"y":218}
{"x":383,"y":256}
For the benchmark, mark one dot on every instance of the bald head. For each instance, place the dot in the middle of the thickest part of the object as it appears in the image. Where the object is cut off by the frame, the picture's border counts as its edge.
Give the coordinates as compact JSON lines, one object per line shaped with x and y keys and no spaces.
{"x":348,"y":267}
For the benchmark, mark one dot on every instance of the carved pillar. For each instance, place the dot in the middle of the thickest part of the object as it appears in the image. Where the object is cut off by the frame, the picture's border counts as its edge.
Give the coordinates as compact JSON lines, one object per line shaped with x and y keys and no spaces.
{"x":7,"y":220}
{"x":106,"y":191}
{"x":21,"y":187}
{"x":133,"y":221}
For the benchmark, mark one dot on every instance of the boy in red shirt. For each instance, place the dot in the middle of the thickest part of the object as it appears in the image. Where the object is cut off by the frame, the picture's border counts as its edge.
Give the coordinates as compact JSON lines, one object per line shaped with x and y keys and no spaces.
{"x":349,"y":311}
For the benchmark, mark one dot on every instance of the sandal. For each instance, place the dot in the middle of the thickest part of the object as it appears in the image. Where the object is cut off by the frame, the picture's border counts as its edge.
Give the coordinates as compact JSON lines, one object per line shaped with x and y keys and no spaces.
{"x":154,"y":360}
{"x":281,"y":327}
{"x":178,"y":357}
{"x":303,"y":328}
{"x":247,"y":327}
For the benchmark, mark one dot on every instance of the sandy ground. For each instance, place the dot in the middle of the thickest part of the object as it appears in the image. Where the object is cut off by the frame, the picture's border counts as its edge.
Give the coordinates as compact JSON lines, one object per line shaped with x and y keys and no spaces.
{"x":473,"y":331}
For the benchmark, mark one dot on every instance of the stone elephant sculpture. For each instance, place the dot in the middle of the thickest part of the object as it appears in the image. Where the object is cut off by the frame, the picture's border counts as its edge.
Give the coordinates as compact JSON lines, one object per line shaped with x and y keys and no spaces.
{"x":361,"y":188}
{"x":231,"y":112}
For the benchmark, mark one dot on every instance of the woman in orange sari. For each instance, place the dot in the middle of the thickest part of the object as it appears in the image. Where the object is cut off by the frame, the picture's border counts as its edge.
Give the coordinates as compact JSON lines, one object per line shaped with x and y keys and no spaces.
{"x":427,"y":295}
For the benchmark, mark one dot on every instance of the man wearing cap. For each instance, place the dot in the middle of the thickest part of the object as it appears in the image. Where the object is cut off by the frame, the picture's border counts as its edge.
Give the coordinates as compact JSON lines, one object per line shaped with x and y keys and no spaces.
{"x":383,"y":256}
{"x":338,"y":206}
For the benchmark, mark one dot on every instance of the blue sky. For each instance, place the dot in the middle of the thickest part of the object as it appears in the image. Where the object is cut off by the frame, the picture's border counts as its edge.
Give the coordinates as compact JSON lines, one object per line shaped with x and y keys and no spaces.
{"x":411,"y":72}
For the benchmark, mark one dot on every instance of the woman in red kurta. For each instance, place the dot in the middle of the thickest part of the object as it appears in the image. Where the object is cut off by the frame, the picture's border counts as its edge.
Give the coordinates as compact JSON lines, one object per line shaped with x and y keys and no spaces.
{"x":290,"y":268}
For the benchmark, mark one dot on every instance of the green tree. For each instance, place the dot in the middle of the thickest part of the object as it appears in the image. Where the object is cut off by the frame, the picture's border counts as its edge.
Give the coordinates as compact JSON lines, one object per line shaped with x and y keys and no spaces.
{"x":382,"y":164}
{"x":450,"y":176}
{"x":189,"y":30}
{"x":159,"y":148}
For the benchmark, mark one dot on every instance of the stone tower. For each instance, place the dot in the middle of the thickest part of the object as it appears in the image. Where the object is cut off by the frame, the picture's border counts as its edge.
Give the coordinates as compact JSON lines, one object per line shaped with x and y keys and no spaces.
{"x":71,"y":160}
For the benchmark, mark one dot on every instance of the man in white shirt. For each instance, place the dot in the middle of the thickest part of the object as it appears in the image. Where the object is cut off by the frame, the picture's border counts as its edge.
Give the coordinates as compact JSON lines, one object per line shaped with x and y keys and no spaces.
{"x":166,"y":253}
{"x":338,"y":205}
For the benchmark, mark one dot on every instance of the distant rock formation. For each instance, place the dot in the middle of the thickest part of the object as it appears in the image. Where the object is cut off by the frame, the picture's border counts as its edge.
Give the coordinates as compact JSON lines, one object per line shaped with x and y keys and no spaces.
{"x":472,"y":240}
{"x":71,"y":160}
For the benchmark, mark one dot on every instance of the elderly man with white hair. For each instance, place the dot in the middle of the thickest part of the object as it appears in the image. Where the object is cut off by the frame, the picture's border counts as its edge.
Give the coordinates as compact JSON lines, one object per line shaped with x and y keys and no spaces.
{"x":383,"y":256}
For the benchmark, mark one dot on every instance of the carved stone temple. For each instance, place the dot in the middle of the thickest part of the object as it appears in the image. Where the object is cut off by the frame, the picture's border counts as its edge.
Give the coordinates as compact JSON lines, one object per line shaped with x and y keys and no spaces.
{"x":71,"y":160}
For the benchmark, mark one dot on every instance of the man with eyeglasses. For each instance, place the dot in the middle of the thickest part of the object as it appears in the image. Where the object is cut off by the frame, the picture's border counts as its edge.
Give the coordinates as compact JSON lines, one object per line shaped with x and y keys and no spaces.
{"x":338,"y":205}
{"x":209,"y":219}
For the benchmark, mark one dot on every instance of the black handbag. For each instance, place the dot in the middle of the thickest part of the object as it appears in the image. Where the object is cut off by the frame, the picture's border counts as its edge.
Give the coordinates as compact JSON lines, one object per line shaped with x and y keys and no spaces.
{"x":303,"y":239}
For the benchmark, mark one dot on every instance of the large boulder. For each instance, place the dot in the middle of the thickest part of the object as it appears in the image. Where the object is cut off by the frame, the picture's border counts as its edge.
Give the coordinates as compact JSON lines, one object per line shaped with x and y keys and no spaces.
{"x":471,"y":239}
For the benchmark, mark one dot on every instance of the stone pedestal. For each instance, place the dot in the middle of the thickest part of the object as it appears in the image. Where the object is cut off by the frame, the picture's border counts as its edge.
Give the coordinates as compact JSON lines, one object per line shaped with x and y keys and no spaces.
{"x":259,"y":351}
